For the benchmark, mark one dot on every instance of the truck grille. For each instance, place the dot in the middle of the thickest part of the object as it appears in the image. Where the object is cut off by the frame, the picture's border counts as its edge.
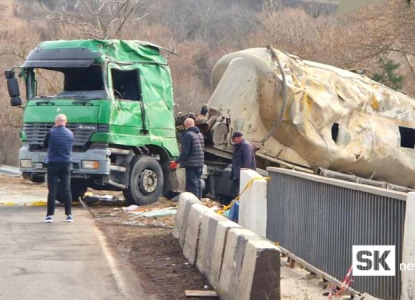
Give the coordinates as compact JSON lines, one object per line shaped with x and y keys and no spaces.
{"x":36,"y":132}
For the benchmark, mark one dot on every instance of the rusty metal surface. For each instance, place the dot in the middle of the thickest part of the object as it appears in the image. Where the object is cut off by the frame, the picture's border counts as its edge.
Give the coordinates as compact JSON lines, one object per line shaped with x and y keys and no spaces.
{"x":320,"y":219}
{"x":334,"y":118}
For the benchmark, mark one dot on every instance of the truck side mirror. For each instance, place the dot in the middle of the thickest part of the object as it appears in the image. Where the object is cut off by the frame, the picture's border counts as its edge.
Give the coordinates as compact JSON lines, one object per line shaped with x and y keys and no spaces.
{"x":13,"y":88}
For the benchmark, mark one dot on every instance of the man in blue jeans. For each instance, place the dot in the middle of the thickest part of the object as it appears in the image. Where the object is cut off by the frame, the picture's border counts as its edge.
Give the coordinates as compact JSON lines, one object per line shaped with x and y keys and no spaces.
{"x":192,"y":157}
{"x":59,"y":141}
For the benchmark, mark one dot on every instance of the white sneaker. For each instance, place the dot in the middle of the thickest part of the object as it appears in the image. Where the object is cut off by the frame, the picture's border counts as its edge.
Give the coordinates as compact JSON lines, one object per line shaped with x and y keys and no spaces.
{"x":48,"y":219}
{"x":69,"y":218}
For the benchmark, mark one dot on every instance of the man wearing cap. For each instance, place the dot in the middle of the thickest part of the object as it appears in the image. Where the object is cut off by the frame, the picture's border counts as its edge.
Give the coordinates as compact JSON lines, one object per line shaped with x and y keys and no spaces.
{"x":192,"y":157}
{"x":243,"y":158}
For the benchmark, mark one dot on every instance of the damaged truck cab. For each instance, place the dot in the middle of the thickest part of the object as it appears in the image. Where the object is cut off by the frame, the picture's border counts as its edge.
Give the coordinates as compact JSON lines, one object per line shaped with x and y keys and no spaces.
{"x":117,"y":96}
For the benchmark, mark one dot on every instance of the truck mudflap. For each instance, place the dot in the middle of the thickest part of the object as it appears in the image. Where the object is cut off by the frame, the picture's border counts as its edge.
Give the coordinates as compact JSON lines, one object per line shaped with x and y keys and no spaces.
{"x":35,"y":162}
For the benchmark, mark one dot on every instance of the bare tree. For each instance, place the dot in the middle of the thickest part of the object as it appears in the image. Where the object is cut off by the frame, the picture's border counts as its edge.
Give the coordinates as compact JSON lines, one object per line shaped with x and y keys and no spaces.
{"x":99,"y":19}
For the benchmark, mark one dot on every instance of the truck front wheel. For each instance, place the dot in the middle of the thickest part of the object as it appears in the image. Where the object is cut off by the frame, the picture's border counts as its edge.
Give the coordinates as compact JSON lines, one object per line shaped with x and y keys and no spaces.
{"x":146,"y":181}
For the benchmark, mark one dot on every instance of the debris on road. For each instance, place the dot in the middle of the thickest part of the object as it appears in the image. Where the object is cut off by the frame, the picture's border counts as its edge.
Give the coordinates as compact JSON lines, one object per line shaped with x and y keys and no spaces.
{"x":215,"y":206}
{"x":131,"y":208}
{"x":95,"y":198}
{"x":159,"y":209}
{"x":150,"y":224}
{"x":169,"y":211}
{"x":196,"y":294}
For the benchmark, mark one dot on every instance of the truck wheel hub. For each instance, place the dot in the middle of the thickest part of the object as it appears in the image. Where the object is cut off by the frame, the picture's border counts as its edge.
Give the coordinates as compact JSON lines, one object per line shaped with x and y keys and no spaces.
{"x":149,"y":181}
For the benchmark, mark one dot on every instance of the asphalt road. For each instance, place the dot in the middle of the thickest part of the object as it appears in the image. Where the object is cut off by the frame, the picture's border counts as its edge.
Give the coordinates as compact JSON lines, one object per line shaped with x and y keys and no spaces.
{"x":61,"y":260}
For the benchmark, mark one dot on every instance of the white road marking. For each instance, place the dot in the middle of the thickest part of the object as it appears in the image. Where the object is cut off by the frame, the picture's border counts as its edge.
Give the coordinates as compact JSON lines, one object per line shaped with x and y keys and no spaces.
{"x":110,"y":259}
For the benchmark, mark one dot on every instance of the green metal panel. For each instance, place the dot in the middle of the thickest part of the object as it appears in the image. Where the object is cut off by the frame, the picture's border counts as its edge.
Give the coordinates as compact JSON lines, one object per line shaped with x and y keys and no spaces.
{"x":46,"y":113}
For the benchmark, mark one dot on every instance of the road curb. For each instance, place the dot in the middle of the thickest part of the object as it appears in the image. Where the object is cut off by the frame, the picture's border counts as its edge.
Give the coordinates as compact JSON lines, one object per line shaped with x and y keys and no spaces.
{"x":33,"y":203}
{"x":13,"y":203}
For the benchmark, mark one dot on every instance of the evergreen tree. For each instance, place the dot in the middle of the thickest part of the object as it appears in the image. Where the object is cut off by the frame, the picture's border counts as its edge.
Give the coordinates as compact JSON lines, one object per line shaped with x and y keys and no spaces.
{"x":388,"y":77}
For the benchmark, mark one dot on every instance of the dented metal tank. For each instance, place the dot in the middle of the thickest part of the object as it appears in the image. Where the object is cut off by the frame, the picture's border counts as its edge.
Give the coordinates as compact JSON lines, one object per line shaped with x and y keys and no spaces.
{"x":329,"y":117}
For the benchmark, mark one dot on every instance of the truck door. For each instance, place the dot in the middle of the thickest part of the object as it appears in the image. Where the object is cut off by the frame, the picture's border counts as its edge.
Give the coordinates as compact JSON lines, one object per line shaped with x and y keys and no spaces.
{"x":128,"y":111}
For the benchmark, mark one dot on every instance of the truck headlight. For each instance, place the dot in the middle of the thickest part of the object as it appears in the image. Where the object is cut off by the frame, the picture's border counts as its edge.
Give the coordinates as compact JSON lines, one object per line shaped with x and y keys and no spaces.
{"x":90,"y":164}
{"x":25,"y":163}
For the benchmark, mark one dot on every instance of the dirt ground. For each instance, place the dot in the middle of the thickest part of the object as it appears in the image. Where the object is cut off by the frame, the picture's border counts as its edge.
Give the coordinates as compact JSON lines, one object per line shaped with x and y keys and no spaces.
{"x":157,"y":258}
{"x":146,"y":243}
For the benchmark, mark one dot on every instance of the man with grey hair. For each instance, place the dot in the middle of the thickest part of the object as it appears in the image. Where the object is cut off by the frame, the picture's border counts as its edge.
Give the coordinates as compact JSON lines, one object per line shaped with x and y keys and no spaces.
{"x":192,"y":157}
{"x":59,"y":142}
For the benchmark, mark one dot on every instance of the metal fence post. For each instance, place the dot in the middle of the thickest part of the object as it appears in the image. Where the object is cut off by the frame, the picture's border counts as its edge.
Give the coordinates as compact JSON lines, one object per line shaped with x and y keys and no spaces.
{"x":408,"y":256}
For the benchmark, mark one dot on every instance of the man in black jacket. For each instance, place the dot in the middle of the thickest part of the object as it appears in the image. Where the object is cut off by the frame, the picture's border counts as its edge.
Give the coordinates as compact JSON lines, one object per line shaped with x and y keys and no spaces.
{"x":191,"y":157}
{"x":59,"y":141}
{"x":243,"y":158}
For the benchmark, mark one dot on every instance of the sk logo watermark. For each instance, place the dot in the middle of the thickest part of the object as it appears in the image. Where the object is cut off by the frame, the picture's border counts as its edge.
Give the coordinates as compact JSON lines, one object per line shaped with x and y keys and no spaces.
{"x":374,"y":261}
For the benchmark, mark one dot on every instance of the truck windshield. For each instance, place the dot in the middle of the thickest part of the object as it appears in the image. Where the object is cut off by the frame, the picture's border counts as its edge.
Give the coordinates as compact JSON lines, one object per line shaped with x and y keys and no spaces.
{"x":69,"y":83}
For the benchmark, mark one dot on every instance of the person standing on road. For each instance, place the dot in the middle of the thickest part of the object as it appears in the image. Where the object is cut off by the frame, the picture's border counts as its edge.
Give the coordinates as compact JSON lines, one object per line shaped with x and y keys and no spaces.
{"x":192,"y":157}
{"x":59,"y":142}
{"x":243,"y":158}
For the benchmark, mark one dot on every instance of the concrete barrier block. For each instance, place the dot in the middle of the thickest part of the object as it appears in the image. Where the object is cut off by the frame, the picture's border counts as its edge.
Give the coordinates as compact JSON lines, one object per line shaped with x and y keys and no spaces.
{"x":233,"y":261}
{"x":253,"y":203}
{"x":186,"y":201}
{"x":182,"y":212}
{"x":218,"y":252}
{"x":207,"y":240}
{"x":191,"y":240}
{"x":260,"y":275}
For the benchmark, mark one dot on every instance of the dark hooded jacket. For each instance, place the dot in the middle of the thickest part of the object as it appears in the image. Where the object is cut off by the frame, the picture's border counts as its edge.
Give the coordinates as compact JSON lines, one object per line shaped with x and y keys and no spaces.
{"x":243,"y":158}
{"x":192,"y":154}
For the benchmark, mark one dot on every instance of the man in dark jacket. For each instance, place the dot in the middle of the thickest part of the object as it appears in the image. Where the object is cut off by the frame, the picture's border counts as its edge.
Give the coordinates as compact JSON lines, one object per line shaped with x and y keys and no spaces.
{"x":191,"y":157}
{"x":243,"y":158}
{"x":59,"y":141}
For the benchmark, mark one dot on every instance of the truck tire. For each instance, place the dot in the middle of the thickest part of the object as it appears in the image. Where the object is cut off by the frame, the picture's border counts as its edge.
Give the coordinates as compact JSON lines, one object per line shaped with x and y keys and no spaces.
{"x":145,"y":182}
{"x":78,"y":189}
{"x":38,"y":178}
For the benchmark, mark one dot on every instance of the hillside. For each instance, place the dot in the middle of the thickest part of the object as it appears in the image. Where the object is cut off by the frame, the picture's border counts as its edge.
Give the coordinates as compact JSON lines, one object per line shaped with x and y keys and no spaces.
{"x":348,"y":5}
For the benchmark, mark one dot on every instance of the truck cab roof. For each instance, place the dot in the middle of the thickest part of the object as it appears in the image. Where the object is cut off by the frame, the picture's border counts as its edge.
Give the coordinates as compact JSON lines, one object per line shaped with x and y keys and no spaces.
{"x":83,"y":53}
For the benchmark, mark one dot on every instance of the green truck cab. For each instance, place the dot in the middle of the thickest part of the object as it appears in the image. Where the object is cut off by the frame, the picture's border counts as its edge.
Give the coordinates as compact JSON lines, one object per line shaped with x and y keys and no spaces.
{"x":118,"y":99}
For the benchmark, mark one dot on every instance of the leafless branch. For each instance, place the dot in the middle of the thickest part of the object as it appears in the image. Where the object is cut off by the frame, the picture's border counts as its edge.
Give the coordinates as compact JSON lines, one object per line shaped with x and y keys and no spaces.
{"x":100,"y":19}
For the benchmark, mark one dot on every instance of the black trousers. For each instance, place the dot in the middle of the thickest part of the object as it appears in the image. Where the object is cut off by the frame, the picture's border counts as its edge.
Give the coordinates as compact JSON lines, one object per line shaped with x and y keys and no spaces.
{"x":235,"y":187}
{"x":59,"y":178}
{"x":193,"y":181}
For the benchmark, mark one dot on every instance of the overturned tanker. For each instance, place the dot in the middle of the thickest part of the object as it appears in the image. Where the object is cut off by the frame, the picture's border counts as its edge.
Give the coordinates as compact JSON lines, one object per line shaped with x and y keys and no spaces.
{"x":310,"y":116}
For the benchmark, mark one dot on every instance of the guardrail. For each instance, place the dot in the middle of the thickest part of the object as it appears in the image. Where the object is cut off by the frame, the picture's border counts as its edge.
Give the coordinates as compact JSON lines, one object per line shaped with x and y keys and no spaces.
{"x":9,"y":170}
{"x":319,"y":220}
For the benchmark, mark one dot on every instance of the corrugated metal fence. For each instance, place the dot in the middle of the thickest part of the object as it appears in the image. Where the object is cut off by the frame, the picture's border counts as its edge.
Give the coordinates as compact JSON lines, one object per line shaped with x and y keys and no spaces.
{"x":319,"y":220}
